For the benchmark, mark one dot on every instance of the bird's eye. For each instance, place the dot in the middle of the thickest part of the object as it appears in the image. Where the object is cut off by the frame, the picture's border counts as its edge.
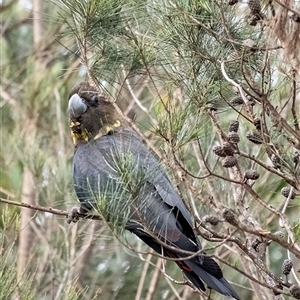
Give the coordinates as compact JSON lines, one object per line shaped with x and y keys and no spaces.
{"x":94,"y":100}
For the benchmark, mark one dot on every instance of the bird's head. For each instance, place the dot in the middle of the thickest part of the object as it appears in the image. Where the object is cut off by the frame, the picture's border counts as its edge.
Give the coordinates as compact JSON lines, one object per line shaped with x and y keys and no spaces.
{"x":91,"y":116}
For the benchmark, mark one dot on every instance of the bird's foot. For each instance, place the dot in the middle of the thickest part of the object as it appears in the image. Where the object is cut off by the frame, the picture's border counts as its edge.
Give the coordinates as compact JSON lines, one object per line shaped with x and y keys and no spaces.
{"x":74,"y":214}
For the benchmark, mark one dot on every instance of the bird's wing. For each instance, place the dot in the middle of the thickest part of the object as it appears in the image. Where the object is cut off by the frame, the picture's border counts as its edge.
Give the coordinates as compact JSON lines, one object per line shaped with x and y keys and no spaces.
{"x":121,"y":167}
{"x":111,"y":160}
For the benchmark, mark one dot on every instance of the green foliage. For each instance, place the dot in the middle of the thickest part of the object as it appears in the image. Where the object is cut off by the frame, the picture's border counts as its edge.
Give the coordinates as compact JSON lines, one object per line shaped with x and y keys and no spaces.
{"x":9,"y":285}
{"x":167,"y":56}
{"x":161,"y":60}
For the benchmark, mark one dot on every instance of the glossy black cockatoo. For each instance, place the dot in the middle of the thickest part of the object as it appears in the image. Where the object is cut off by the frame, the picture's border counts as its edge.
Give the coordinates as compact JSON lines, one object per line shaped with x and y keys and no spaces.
{"x":115,"y":174}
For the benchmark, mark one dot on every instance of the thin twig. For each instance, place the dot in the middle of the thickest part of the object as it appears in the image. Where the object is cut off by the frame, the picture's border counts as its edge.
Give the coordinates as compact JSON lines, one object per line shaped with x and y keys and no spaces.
{"x":154,"y":280}
{"x":50,"y":210}
{"x":288,"y":8}
{"x":143,"y":276}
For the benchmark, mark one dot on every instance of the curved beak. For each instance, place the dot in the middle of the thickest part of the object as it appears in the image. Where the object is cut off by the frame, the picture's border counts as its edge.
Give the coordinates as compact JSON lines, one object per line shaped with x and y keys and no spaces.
{"x":76,"y":106}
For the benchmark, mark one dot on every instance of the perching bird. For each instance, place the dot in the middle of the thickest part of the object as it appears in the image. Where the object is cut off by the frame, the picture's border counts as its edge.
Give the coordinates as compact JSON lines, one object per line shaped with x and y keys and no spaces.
{"x":115,"y":174}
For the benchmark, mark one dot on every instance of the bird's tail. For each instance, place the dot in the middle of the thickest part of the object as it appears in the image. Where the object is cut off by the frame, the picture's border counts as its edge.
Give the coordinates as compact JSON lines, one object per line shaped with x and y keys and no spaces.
{"x":197,"y":272}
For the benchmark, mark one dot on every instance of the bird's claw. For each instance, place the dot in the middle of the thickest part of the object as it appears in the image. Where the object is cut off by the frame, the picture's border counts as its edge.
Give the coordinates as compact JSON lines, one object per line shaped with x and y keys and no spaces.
{"x":74,"y":214}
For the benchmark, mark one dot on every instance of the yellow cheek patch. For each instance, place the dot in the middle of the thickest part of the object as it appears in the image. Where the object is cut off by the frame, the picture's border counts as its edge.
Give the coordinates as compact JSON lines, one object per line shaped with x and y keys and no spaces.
{"x":77,"y":133}
{"x":107,"y":128}
{"x":82,"y":135}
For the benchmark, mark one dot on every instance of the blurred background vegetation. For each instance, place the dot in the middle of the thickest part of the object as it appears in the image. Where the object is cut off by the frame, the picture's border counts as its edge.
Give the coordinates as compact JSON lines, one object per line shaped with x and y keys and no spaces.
{"x":182,"y":71}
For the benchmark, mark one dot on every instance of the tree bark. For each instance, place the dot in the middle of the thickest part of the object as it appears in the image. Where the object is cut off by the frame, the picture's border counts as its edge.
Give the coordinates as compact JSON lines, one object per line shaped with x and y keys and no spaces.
{"x":29,"y":189}
{"x":29,"y":195}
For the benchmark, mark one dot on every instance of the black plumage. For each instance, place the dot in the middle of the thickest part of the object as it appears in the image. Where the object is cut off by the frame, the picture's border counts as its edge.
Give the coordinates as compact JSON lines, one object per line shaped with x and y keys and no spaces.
{"x":118,"y":176}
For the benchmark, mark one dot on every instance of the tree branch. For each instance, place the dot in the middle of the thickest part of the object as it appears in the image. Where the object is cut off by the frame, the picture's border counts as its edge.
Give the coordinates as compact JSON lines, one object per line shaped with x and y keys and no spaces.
{"x":50,"y":210}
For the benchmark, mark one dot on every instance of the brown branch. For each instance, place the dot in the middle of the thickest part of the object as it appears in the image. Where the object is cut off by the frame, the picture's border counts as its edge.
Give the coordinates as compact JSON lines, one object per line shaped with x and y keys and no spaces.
{"x":277,"y":118}
{"x":288,"y":8}
{"x":252,"y":278}
{"x":252,"y":256}
{"x":143,"y":275}
{"x":271,"y":169}
{"x":154,"y":280}
{"x":50,"y":210}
